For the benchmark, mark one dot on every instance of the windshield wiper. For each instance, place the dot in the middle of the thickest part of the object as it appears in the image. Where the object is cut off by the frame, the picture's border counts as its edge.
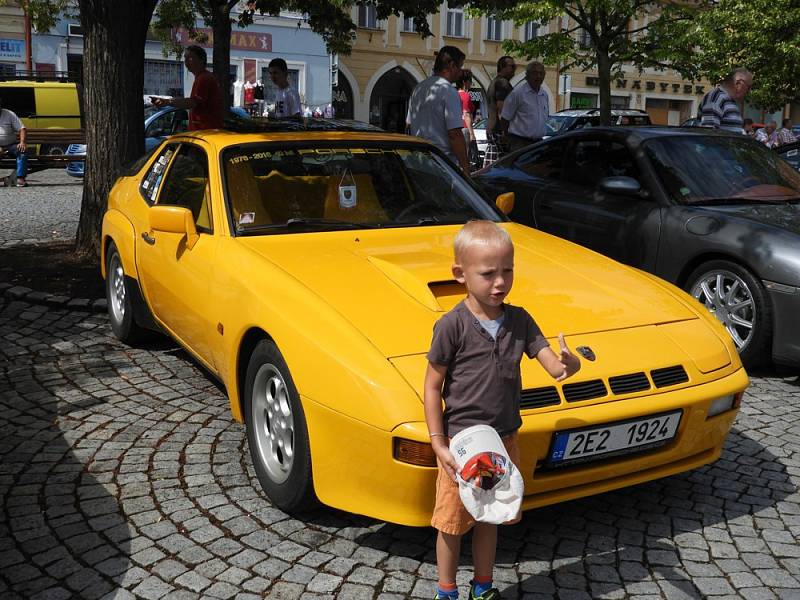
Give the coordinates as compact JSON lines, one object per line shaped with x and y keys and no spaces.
{"x":300,"y":222}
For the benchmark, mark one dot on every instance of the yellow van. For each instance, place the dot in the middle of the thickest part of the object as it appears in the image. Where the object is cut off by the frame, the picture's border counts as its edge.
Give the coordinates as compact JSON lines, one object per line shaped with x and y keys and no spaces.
{"x":43,"y":104}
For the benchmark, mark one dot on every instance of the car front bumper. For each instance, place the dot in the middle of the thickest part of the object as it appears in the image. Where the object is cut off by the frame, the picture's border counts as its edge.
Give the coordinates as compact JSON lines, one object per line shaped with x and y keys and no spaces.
{"x":354,"y":468}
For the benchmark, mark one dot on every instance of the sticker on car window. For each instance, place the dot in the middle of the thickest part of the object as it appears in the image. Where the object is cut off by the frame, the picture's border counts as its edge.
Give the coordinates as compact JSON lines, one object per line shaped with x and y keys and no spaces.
{"x":685,"y":191}
{"x":247,"y":217}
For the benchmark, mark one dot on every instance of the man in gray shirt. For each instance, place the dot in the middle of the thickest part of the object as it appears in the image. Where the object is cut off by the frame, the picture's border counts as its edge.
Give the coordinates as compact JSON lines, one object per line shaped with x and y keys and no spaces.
{"x":526,"y":109}
{"x":434,"y":111}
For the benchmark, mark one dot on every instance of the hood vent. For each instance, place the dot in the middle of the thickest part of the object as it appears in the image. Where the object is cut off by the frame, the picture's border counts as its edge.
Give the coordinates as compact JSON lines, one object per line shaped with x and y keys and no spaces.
{"x":585,"y":390}
{"x":539,"y":397}
{"x":669,"y":376}
{"x":628,"y":384}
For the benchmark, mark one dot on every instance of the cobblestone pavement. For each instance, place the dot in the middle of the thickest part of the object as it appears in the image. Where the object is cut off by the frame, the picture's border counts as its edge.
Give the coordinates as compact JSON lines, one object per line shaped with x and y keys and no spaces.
{"x":123,"y":475}
{"x":48,"y":209}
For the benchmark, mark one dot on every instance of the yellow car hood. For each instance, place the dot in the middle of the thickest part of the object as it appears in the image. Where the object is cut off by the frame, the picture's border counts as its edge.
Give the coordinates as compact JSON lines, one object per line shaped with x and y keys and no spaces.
{"x":393,"y":284}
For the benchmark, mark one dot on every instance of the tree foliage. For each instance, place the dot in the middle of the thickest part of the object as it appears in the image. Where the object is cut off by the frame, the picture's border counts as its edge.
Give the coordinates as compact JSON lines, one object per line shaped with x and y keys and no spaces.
{"x":600,"y":34}
{"x":761,"y":35}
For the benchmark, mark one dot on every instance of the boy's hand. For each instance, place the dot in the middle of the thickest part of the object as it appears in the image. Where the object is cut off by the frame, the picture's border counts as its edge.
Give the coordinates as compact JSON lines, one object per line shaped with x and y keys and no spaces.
{"x":570,"y":362}
{"x":445,"y":457}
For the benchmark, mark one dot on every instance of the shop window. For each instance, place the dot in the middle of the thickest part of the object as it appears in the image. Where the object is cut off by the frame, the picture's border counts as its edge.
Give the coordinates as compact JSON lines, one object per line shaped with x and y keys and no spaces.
{"x":455,"y":22}
{"x":7,"y":69}
{"x":271,"y":90}
{"x":163,"y":77}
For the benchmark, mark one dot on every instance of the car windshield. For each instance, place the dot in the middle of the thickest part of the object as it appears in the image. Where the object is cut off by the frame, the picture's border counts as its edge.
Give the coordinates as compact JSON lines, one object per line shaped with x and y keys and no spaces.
{"x":556,"y":123}
{"x":275,"y":189}
{"x":721,"y":169}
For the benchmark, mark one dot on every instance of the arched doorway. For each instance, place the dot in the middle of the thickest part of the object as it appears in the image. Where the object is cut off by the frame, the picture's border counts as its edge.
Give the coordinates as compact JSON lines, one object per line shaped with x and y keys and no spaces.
{"x":343,"y":98}
{"x":388,"y":102}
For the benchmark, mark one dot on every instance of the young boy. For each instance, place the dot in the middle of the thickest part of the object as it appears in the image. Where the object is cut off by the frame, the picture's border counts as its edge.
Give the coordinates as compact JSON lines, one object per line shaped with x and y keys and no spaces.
{"x":474,"y":365}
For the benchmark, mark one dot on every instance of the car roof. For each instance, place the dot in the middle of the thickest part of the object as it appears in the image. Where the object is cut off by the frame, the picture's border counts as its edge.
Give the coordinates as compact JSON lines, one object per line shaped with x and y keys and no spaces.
{"x":584,"y":112}
{"x":277,"y":133}
{"x":644,"y":132}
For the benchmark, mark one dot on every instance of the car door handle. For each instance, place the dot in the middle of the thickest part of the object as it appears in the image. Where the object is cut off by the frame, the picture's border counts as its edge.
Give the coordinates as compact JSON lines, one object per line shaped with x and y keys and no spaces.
{"x":148,"y":238}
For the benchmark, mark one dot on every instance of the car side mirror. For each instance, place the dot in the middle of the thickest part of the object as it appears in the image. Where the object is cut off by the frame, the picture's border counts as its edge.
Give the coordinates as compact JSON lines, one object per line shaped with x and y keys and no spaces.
{"x":620,"y":186}
{"x":505,"y":202}
{"x":174,"y":219}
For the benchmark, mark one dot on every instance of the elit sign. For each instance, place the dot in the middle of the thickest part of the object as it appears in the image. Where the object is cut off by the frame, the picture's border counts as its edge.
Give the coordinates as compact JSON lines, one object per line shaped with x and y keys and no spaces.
{"x":652,"y":86}
{"x":12,"y":48}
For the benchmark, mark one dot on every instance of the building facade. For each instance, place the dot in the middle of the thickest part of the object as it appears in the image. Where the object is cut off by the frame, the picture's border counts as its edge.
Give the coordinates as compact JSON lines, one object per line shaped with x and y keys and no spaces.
{"x":13,"y":50}
{"x":389,"y":58}
{"x":286,"y":36}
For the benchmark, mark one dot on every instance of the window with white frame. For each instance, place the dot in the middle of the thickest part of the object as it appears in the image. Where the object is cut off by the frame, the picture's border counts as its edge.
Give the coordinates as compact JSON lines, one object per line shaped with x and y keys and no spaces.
{"x":367,"y":16}
{"x":584,"y":38}
{"x":494,"y":29}
{"x":531,"y":31}
{"x":408,"y":24}
{"x":455,"y":22}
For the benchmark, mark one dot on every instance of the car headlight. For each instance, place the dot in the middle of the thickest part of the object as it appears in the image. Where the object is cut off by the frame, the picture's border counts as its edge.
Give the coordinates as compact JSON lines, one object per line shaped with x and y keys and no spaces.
{"x":720,"y":405}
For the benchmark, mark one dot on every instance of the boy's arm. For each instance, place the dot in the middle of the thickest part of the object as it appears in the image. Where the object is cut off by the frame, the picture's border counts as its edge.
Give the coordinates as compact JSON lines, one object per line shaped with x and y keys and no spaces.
{"x":559,"y":367}
{"x":434,"y":379}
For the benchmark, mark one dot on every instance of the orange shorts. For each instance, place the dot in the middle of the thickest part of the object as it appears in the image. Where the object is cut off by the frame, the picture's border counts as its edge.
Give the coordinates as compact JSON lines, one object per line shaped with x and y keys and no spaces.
{"x":449,"y":514}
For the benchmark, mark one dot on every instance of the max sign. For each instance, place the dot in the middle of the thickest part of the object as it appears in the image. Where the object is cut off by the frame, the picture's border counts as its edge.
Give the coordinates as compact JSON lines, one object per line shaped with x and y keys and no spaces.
{"x":260,"y":42}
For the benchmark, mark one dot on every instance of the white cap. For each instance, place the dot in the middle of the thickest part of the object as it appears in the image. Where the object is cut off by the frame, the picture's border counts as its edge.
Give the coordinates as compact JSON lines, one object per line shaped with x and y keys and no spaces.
{"x":480,"y":444}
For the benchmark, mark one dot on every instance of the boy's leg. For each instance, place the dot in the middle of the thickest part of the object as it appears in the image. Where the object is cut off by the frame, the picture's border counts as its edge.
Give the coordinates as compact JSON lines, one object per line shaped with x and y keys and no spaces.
{"x":448,"y":549}
{"x":484,"y":546}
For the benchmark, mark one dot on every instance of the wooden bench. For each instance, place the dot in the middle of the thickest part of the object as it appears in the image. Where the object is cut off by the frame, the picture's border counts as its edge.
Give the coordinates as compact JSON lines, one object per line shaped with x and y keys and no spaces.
{"x":45,"y":139}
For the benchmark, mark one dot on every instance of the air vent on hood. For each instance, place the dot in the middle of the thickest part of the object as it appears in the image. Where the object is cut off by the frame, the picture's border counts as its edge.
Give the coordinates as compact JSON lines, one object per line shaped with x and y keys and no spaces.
{"x":627,"y":384}
{"x":539,"y":397}
{"x":585,"y":390}
{"x":669,"y":376}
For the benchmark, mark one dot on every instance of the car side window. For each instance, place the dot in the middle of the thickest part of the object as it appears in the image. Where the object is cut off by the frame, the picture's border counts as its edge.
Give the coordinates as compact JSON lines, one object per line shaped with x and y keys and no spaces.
{"x":593,"y":160}
{"x":545,"y":161}
{"x":181,"y":121}
{"x":161,"y":126}
{"x":186,"y":185}
{"x":19,"y":100}
{"x":151,"y":181}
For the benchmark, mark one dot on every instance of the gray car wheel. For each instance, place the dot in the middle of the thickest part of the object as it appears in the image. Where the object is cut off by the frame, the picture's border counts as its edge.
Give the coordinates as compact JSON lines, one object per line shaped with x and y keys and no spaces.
{"x":738,"y":300}
{"x":119,"y":299}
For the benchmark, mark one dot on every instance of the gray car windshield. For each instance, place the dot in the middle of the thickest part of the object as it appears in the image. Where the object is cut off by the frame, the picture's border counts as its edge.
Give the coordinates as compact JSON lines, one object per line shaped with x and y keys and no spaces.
{"x":275,"y":189}
{"x":721,"y":169}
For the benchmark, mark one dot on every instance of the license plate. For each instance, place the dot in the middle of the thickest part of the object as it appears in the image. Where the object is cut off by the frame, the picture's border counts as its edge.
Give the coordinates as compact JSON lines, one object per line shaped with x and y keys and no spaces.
{"x":605,"y":441}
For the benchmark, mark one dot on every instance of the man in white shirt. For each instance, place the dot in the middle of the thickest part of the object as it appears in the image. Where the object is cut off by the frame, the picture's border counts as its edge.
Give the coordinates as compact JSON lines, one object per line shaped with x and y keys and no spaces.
{"x":10,"y":125}
{"x":287,"y":100}
{"x":526,"y":109}
{"x":434,"y":110}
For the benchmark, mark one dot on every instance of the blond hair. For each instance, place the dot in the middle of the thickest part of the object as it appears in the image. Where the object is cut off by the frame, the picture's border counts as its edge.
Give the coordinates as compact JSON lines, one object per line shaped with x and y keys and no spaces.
{"x":479,"y":232}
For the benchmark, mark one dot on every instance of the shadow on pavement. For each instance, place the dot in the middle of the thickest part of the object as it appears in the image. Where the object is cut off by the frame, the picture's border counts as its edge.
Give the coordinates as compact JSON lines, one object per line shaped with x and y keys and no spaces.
{"x":61,"y":527}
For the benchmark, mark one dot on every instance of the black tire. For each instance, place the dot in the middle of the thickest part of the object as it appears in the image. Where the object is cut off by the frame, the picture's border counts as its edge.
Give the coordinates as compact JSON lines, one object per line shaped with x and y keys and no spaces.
{"x":284,"y":471}
{"x":754,"y":348}
{"x":53,"y":149}
{"x":119,"y":297}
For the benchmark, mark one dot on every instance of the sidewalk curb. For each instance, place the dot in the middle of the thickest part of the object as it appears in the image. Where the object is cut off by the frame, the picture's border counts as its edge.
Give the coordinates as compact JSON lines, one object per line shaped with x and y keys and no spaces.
{"x":18,"y":292}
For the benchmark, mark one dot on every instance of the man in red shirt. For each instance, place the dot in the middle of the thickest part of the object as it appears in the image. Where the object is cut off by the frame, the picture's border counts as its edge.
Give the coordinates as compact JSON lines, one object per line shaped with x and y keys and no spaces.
{"x":205,"y":101}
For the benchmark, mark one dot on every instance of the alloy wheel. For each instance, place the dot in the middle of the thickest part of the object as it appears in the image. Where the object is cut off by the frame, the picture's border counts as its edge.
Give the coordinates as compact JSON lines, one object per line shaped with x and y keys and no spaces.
{"x":273,"y":422}
{"x":729,"y":299}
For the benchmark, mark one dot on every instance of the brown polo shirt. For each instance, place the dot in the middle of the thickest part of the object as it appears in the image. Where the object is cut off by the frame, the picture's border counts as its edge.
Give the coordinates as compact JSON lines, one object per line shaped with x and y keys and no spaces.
{"x":483,"y":383}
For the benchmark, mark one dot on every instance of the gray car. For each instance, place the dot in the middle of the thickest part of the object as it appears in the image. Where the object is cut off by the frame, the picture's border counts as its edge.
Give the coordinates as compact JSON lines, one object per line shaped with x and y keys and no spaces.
{"x":714,"y":213}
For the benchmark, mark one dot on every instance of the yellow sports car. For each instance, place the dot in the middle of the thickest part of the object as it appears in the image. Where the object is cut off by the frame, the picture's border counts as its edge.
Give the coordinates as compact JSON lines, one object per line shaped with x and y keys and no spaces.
{"x":305,"y":267}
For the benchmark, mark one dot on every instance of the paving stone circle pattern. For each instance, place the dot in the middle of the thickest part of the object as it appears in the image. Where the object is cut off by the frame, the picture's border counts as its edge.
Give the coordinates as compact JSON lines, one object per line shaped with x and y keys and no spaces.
{"x":122,"y":475}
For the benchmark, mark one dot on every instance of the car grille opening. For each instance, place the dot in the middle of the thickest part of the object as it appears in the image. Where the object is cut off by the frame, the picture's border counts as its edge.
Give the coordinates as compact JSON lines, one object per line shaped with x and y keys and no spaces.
{"x":585,"y":390}
{"x":539,"y":397}
{"x":627,"y":384}
{"x":669,"y":376}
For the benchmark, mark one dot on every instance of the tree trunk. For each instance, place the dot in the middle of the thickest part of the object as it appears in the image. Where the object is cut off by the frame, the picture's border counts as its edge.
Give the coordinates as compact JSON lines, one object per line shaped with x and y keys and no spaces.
{"x":221,"y":26}
{"x":114,"y":36}
{"x":604,"y":83}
